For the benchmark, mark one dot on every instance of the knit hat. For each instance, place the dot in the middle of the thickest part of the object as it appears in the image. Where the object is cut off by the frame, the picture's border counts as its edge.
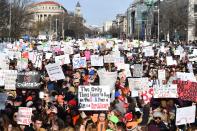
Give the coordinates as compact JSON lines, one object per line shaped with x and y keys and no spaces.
{"x":72,"y":102}
{"x":114,"y":119}
{"x":129,"y":116}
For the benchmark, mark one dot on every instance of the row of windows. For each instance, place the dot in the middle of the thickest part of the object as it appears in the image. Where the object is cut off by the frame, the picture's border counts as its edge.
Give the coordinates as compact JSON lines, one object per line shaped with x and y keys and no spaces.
{"x":195,"y":8}
{"x":50,"y":7}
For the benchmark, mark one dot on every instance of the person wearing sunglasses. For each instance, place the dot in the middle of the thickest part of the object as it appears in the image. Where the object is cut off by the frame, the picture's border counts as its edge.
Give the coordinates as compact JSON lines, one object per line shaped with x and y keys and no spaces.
{"x":157,"y":123}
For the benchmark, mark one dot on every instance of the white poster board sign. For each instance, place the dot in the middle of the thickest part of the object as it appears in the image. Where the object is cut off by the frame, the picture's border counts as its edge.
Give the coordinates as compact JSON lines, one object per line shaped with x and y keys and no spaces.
{"x":79,"y":62}
{"x":62,"y":59}
{"x":24,"y":116}
{"x":96,"y":60}
{"x":185,"y":115}
{"x":165,"y":91}
{"x":108,"y":59}
{"x":138,"y":84}
{"x":107,"y":78}
{"x":55,"y":72}
{"x":10,"y":79}
{"x":186,"y":76}
{"x":138,"y":70}
{"x":94,"y":97}
{"x":161,"y":75}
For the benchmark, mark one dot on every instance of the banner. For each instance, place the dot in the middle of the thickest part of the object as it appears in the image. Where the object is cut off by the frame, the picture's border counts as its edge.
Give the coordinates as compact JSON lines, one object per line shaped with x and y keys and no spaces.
{"x":186,"y":76}
{"x":10,"y":79}
{"x":79,"y":62}
{"x":94,"y":97}
{"x":96,"y":60}
{"x":108,"y":59}
{"x":3,"y":98}
{"x":107,"y":78}
{"x":170,"y":61}
{"x":148,"y":51}
{"x":185,"y":115}
{"x":62,"y":59}
{"x":68,"y":50}
{"x":187,"y":90}
{"x":4,"y":61}
{"x":138,"y":70}
{"x":55,"y":72}
{"x":165,"y":91}
{"x":28,"y":80}
{"x":24,"y":116}
{"x":138,"y":84}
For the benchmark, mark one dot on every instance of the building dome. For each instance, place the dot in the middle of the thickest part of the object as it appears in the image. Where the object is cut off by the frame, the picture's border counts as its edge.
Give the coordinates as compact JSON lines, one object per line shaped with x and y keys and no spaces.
{"x":48,"y":3}
{"x":43,"y":10}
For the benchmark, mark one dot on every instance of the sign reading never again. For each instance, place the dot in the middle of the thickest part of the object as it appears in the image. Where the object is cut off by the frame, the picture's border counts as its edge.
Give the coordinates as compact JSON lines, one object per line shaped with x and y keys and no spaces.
{"x":28,"y":80}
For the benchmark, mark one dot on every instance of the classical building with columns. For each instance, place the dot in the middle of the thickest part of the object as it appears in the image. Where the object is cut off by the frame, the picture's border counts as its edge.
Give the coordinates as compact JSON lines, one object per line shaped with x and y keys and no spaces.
{"x":43,"y":10}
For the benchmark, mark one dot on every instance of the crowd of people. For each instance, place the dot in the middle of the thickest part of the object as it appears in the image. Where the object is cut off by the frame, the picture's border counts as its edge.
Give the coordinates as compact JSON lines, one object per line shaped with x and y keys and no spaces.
{"x":55,"y":105}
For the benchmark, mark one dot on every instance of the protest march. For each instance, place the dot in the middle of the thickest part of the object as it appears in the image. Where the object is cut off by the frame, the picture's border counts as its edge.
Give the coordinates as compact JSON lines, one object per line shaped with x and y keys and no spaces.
{"x":98,"y":84}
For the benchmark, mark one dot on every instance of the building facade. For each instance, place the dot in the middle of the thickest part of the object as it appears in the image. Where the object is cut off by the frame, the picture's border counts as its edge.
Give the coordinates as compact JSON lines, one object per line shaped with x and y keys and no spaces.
{"x":107,"y":26}
{"x":46,"y":9}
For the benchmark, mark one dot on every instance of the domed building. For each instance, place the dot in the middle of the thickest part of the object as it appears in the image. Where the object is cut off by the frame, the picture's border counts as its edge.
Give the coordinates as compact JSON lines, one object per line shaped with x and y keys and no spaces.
{"x":43,"y":10}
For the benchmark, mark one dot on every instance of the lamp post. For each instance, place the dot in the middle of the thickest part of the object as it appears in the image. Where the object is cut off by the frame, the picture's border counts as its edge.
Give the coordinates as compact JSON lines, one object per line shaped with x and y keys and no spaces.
{"x":56,"y":27}
{"x":10,"y":21}
{"x":158,"y":32}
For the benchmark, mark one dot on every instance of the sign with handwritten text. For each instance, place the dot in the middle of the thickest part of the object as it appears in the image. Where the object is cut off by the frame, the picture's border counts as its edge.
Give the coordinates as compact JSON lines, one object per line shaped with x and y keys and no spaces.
{"x":94,"y":97}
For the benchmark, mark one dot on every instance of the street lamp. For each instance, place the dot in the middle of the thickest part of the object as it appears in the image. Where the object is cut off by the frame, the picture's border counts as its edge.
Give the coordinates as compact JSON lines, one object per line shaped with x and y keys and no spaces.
{"x":56,"y":27}
{"x":10,"y":21}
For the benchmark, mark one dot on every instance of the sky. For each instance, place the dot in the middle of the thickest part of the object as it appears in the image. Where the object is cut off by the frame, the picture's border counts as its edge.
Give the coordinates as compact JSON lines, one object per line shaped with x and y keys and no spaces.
{"x":96,"y":12}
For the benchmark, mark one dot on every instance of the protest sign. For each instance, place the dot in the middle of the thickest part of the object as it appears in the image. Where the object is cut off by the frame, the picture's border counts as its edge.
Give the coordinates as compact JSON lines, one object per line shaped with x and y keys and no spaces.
{"x":165,"y":91}
{"x":48,"y":55}
{"x":161,"y":75}
{"x":68,"y":50}
{"x":22,"y":63}
{"x":55,"y":72}
{"x":10,"y":79}
{"x":186,"y":76}
{"x":138,"y":84}
{"x":138,"y":70}
{"x":96,"y":60}
{"x":3,"y":98}
{"x":28,"y":80}
{"x":148,"y":51}
{"x":62,"y":59}
{"x":186,"y":90}
{"x":108,"y":59}
{"x":185,"y":115}
{"x":192,"y":57}
{"x":107,"y":78}
{"x":24,"y":116}
{"x":36,"y":58}
{"x":79,"y":62}
{"x":4,"y":61}
{"x":2,"y":76}
{"x":94,"y":97}
{"x":170,"y":61}
{"x":147,"y":95}
{"x":118,"y":60}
